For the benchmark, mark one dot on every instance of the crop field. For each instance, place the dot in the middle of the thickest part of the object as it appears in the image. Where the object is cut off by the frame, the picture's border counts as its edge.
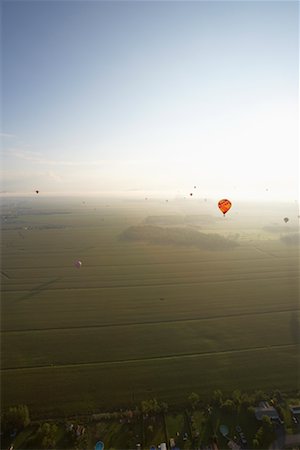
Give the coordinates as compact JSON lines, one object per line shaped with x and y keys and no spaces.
{"x":140,"y":320}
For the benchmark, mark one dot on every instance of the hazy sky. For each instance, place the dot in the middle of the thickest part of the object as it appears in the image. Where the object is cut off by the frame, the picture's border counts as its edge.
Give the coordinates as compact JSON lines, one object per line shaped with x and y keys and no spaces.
{"x":151,"y":96}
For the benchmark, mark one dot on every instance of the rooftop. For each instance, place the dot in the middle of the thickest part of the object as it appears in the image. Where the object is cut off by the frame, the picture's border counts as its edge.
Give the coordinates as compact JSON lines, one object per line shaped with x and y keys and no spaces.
{"x":268,"y":411}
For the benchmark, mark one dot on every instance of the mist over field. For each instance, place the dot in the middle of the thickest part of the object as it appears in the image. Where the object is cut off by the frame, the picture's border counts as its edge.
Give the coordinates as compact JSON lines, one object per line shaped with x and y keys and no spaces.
{"x":157,"y":307}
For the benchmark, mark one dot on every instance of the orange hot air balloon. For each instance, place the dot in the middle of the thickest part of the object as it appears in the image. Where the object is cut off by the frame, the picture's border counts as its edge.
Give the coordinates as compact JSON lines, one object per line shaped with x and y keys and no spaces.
{"x":224,"y":205}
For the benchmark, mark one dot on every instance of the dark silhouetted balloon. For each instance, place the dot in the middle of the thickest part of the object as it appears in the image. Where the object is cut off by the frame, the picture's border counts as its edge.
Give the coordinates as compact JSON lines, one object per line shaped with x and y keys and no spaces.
{"x":224,"y":205}
{"x":37,"y":192}
{"x":191,"y":194}
{"x":286,"y":219}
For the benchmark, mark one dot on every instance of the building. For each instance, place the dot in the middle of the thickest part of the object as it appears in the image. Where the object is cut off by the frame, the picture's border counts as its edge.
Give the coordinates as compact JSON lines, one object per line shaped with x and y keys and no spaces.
{"x":295,"y":409}
{"x":233,"y":445}
{"x":264,"y":409}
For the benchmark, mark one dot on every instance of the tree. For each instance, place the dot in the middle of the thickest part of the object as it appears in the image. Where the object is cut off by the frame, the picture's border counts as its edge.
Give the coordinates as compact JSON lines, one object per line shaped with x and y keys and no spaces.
{"x":17,"y":417}
{"x":47,"y":435}
{"x":217,"y":397}
{"x":265,"y":434}
{"x":237,"y":397}
{"x":228,"y":406}
{"x":280,"y":412}
{"x":255,"y":443}
{"x":260,"y":396}
{"x":150,"y":406}
{"x":194,"y":400}
{"x":268,"y":430}
{"x":246,"y":400}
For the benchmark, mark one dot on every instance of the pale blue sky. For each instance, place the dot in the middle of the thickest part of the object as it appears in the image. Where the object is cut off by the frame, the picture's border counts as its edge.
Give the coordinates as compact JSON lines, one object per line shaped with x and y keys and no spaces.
{"x":150,"y":95}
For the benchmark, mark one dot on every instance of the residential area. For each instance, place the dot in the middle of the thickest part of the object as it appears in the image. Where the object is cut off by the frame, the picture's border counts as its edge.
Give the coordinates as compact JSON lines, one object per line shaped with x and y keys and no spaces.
{"x":241,"y":422}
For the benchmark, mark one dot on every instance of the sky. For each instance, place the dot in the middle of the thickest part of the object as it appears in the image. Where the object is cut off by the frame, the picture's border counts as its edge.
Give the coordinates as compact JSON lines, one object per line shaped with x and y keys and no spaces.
{"x":150,"y":96}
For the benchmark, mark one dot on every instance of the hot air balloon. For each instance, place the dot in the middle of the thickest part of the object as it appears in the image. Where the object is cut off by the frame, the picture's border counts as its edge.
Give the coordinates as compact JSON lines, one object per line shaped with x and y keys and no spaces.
{"x":37,"y":192}
{"x":224,"y":205}
{"x":78,"y":264}
{"x":191,"y":194}
{"x":286,"y":219}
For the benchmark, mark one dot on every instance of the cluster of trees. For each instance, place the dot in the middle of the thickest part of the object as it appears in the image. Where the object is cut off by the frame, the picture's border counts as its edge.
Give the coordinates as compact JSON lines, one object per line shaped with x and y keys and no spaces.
{"x":46,"y":435}
{"x":231,"y":404}
{"x":265,"y":434}
{"x":152,"y":406}
{"x":16,"y":418}
{"x":177,"y":236}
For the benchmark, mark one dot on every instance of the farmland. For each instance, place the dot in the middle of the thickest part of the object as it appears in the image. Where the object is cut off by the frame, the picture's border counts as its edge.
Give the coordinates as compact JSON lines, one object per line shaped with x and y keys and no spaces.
{"x":142,"y":319}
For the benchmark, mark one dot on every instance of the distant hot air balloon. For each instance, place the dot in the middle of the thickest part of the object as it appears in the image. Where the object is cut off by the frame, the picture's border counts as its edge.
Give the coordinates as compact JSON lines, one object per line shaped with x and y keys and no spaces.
{"x":191,"y":194}
{"x":195,"y":187}
{"x":286,"y":219}
{"x":37,"y":192}
{"x":224,"y":205}
{"x":78,"y":264}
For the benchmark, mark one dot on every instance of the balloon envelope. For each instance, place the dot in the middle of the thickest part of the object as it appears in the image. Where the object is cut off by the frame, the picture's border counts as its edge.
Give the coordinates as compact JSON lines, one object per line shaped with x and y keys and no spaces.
{"x":286,"y":219}
{"x":224,"y":205}
{"x":37,"y":192}
{"x":78,"y":264}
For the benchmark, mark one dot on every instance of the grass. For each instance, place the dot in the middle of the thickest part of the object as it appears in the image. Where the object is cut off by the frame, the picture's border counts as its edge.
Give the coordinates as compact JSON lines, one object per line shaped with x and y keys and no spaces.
{"x":154,"y":432}
{"x":94,"y":387}
{"x":140,"y":320}
{"x":177,"y":423}
{"x":153,"y":340}
{"x":115,"y":435}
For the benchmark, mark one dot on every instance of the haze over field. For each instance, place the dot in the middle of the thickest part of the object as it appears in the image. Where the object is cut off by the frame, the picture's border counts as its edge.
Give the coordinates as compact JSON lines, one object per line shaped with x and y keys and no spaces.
{"x":147,"y":311}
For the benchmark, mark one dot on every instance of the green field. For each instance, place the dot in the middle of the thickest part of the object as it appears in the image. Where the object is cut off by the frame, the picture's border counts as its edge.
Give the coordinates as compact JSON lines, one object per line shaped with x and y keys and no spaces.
{"x":141,"y":320}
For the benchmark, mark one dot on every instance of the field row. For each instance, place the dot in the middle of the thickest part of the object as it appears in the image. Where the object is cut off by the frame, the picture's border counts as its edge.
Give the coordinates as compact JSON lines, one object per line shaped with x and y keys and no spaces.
{"x":60,"y":284}
{"x":87,"y":307}
{"x":90,"y":388}
{"x":84,"y":345}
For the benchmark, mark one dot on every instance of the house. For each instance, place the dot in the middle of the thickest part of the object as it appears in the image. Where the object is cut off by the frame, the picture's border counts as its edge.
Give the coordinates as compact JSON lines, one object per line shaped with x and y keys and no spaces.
{"x":233,"y":445}
{"x":295,"y":409}
{"x":265,"y":409}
